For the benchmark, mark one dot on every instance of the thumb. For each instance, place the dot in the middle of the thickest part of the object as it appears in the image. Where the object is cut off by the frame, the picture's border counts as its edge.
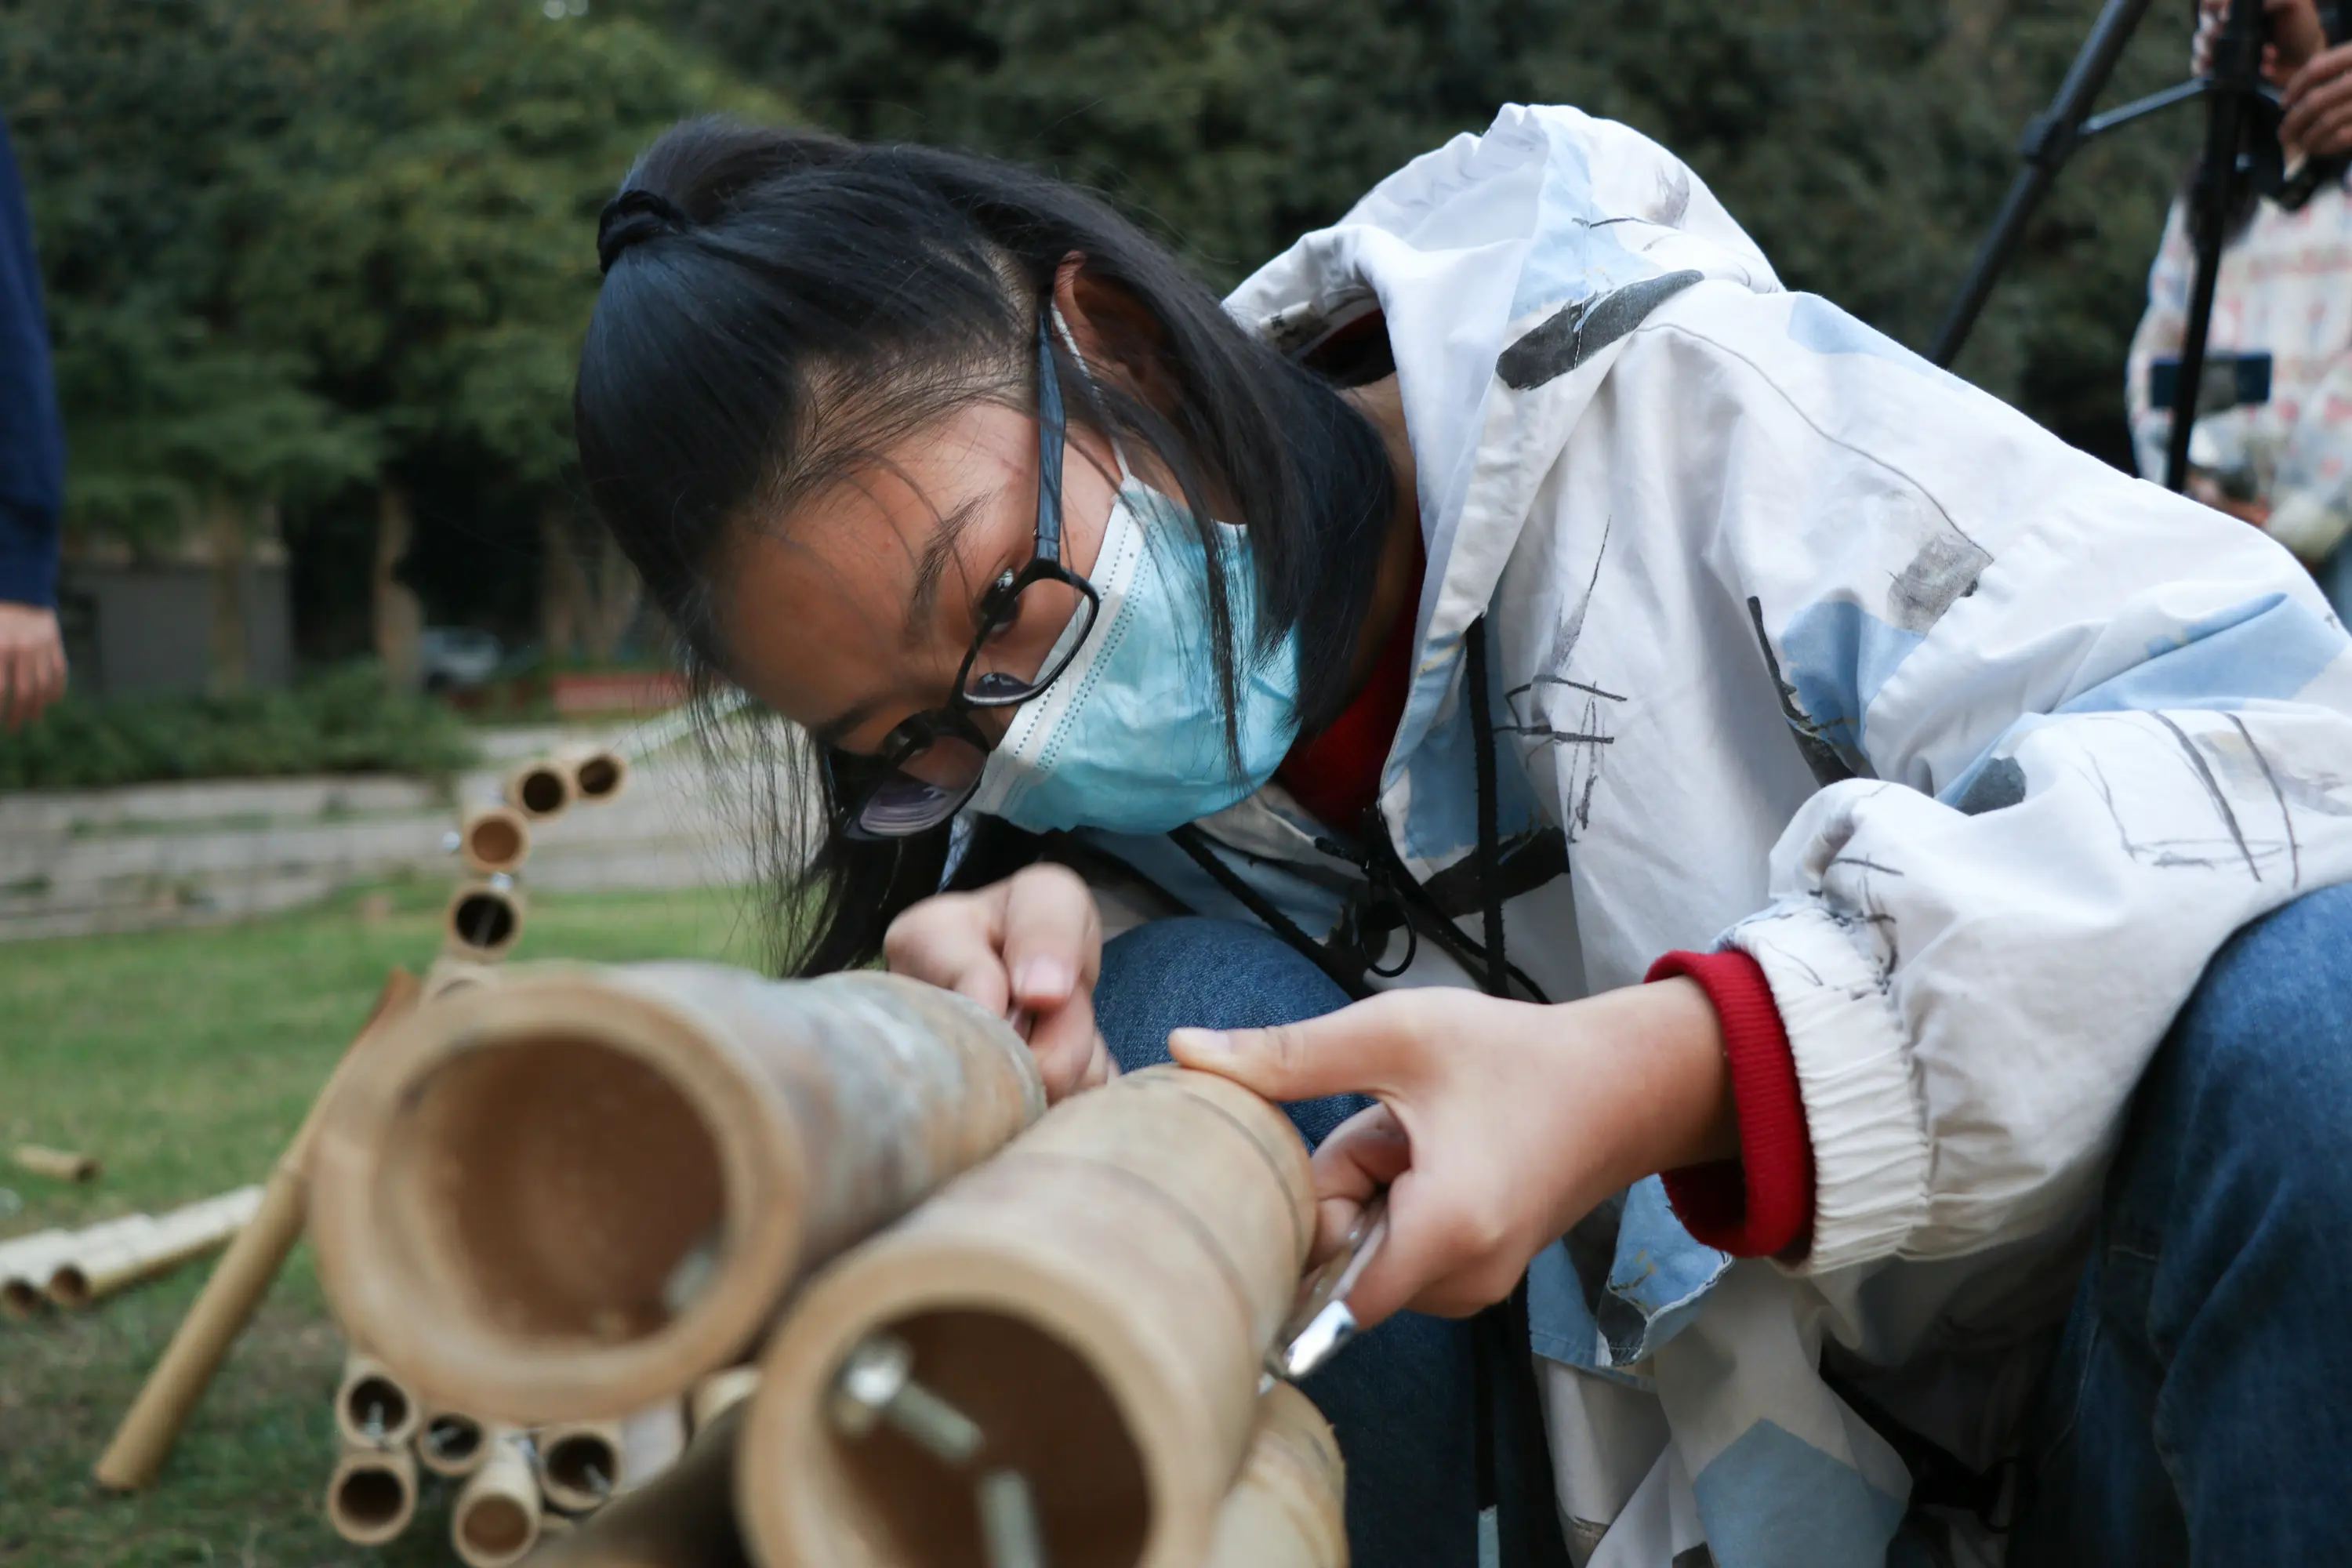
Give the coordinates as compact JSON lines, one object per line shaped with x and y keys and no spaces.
{"x":1362,"y":1049}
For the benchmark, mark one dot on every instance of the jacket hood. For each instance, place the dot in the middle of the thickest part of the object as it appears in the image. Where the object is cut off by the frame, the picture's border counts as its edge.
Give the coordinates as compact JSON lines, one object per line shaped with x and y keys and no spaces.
{"x":1507,"y":266}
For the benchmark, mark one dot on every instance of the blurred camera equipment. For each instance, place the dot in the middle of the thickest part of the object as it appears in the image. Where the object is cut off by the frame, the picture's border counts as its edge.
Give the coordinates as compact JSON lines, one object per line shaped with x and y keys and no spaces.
{"x":2242,"y":155}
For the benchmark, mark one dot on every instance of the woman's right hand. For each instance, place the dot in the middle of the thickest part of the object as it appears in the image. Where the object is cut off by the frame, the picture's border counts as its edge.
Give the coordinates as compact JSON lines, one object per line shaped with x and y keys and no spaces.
{"x":1028,"y":949}
{"x":2296,"y":35}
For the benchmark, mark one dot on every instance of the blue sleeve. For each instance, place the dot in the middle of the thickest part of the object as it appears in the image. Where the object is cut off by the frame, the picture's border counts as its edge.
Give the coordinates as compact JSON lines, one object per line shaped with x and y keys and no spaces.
{"x":31,"y":444}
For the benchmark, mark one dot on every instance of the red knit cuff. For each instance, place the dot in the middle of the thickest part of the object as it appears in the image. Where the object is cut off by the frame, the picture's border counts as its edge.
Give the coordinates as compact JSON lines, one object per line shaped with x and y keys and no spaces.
{"x":1761,"y":1204}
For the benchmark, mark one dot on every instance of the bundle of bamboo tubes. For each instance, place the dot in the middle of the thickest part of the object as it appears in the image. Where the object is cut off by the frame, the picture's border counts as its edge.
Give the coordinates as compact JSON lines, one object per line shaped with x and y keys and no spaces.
{"x":75,"y":1268}
{"x":983,"y":1336}
{"x":513,"y":1487}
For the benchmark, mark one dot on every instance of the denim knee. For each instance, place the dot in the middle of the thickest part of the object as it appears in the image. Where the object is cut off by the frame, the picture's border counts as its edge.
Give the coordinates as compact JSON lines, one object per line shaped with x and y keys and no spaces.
{"x":1212,"y":974}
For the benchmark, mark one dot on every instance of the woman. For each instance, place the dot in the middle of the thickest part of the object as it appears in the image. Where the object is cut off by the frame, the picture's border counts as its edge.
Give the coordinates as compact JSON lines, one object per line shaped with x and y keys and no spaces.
{"x":1512,"y":590}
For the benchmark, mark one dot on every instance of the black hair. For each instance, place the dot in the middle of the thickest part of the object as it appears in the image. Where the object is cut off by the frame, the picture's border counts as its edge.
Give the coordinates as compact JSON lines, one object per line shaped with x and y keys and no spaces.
{"x":781,"y":308}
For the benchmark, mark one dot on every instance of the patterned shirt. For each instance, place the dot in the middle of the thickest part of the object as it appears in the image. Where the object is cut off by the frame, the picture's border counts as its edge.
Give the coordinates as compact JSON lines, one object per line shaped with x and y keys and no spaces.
{"x":2285,"y":286}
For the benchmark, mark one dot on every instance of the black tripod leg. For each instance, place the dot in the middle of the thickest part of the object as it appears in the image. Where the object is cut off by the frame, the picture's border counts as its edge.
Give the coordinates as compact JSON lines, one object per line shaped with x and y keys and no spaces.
{"x":2237,"y":76}
{"x":2049,"y":140}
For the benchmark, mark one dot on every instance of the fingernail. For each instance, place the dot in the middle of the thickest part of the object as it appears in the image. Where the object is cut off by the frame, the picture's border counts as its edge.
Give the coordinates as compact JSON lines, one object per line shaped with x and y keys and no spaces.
{"x":1044,"y":978}
{"x":1200,"y":1045}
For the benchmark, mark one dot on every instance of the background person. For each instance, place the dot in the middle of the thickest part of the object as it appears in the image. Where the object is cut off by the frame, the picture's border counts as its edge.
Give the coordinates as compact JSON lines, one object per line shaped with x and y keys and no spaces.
{"x":1609,"y":603}
{"x":32,"y":471}
{"x":2284,"y":289}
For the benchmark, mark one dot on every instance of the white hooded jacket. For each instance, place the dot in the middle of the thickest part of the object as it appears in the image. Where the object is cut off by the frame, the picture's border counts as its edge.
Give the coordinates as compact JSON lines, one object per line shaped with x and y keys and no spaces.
{"x":1801,"y":645}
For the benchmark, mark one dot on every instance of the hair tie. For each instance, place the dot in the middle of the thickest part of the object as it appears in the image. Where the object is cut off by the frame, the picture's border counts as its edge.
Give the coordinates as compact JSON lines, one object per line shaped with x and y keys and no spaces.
{"x":631,"y":216}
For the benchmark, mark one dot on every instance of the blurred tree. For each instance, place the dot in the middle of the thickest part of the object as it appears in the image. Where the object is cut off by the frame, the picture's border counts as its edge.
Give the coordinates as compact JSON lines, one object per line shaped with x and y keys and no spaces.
{"x":138,"y":123}
{"x":1864,"y":146}
{"x":436,"y":261}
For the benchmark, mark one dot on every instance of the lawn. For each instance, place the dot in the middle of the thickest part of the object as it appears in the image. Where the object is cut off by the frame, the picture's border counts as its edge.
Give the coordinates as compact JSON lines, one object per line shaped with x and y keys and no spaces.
{"x":185,"y":1059}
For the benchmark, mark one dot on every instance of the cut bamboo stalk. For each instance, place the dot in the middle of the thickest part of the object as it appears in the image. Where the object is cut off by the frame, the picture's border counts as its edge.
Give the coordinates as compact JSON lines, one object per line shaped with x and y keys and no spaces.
{"x":581,"y":1189}
{"x":684,"y":1517}
{"x":539,"y":789}
{"x":493,"y":838}
{"x":579,"y":1463}
{"x":445,"y":976}
{"x":483,"y":921}
{"x":599,"y":773}
{"x":1098,"y":1300}
{"x":451,"y":1443}
{"x":495,"y":1518}
{"x":58,"y":1164}
{"x":25,"y":1265}
{"x":87,"y":1274}
{"x":1289,"y":1508}
{"x":719,"y":1393}
{"x":373,"y":1409}
{"x":372,"y":1496}
{"x":651,"y":1441}
{"x":152,"y":1423}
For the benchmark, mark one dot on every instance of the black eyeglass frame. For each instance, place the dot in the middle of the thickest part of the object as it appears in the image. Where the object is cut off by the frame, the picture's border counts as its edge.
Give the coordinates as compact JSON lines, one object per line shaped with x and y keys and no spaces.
{"x":917,"y":733}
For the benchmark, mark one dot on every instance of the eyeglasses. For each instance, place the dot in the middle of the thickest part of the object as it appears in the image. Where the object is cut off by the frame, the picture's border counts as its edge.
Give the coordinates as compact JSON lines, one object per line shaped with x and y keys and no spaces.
{"x":1032,"y":624}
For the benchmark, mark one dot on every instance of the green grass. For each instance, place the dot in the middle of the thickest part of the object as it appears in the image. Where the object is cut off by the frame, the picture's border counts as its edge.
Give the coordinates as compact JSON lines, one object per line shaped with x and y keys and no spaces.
{"x":185,"y":1060}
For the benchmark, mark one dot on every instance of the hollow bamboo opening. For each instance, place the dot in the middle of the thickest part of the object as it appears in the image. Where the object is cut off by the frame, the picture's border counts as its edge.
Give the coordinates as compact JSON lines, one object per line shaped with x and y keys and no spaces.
{"x":598,"y":775}
{"x":495,"y":1526}
{"x":450,"y":1443}
{"x":494,"y":838}
{"x":555,"y":1185}
{"x":70,"y":1285}
{"x":540,"y":789}
{"x":483,"y":921}
{"x":20,"y":1298}
{"x":1046,"y":1415}
{"x":580,"y":1466}
{"x":375,"y":1406}
{"x":372,"y":1496}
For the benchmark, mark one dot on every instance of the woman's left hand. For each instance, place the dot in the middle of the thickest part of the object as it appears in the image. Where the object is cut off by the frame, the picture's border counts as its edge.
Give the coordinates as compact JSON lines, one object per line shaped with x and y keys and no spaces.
{"x":2318,"y":103}
{"x":1500,"y":1124}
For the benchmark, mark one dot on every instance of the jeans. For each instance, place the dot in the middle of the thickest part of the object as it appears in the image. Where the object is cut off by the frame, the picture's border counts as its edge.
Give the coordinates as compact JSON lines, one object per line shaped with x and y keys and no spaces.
{"x":2201,"y":1406}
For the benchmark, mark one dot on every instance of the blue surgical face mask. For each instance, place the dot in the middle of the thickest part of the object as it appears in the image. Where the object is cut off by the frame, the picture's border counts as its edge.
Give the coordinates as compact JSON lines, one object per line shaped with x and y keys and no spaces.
{"x":1131,"y":737}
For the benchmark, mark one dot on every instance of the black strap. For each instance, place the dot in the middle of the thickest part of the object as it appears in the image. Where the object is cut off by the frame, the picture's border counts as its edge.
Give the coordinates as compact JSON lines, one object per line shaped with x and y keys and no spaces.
{"x":1490,"y":832}
{"x":1189,"y":839}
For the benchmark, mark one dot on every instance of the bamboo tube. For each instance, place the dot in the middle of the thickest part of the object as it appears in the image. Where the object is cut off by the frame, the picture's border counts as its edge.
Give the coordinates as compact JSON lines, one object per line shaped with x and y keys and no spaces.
{"x":1287,"y":1508}
{"x":25,"y":1265}
{"x":684,"y":1517}
{"x":651,"y":1441}
{"x":372,"y":1496}
{"x":87,"y":1274}
{"x":152,"y":1423}
{"x":1098,"y":1300}
{"x":373,"y":1409}
{"x":495,"y":1518}
{"x":719,"y":1393}
{"x":451,"y":1443}
{"x":493,"y":838}
{"x":581,"y":1189}
{"x":598,"y":772}
{"x":445,"y":976}
{"x":579,"y":1463}
{"x":58,"y":1164}
{"x":539,"y":789}
{"x":483,"y":920}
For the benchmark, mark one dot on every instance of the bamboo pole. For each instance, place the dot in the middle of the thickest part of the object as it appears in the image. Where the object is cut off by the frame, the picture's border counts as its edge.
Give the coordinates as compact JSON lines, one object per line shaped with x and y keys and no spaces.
{"x":539,"y":789}
{"x":599,"y":773}
{"x":152,"y":1423}
{"x":446,"y":975}
{"x":86,"y":1274}
{"x":372,"y":1496}
{"x":58,"y":1164}
{"x":493,"y":838}
{"x":579,"y":1463}
{"x":25,"y":1265}
{"x":580,"y":1189}
{"x":684,"y":1517}
{"x":451,"y":1443}
{"x":483,"y":921}
{"x":1287,"y":1508}
{"x":496,"y":1519}
{"x":373,"y":1408}
{"x":1098,"y":1300}
{"x":719,"y":1393}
